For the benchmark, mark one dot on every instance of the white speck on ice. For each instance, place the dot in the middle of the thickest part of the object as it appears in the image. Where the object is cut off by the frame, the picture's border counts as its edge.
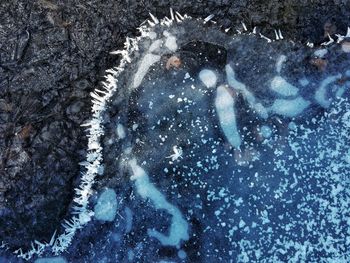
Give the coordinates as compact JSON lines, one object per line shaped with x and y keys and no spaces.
{"x":266,"y":131}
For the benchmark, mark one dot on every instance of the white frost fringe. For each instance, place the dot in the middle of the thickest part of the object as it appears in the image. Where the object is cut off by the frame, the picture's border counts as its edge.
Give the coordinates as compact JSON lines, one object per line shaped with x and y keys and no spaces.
{"x":81,"y":215}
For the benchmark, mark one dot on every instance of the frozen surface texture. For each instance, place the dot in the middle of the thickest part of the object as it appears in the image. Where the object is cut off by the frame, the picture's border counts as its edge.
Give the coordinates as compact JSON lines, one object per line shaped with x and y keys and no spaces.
{"x":226,"y":155}
{"x":242,"y":141}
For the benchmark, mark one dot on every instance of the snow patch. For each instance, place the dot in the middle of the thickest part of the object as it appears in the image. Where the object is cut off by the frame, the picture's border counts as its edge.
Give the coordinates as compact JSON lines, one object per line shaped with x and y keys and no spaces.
{"x":128,"y":218}
{"x":279,"y":63}
{"x":321,"y":53}
{"x":106,"y":206}
{"x":170,"y":43}
{"x":208,"y":77}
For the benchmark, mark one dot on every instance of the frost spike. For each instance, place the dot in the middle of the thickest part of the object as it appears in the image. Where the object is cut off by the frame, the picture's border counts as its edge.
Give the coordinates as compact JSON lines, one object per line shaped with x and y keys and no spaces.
{"x":254,"y":30}
{"x":208,"y":18}
{"x":96,"y":96}
{"x":340,"y":38}
{"x":264,"y":37}
{"x":227,"y":29}
{"x":280,"y":34}
{"x":156,"y":21}
{"x":309,"y":44}
{"x":151,"y":23}
{"x":177,"y":19}
{"x":180,"y":16}
{"x":331,"y":40}
{"x":276,"y":35}
{"x":172,"y":14}
{"x":348,"y":32}
{"x":244,"y":26}
{"x":101,"y":91}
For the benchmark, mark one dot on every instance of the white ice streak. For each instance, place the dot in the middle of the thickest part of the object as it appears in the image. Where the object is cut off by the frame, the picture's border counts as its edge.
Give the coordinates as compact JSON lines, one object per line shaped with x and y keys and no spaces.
{"x":235,"y":84}
{"x":121,"y":131}
{"x":147,"y":61}
{"x":282,"y":87}
{"x":289,"y":108}
{"x":224,"y":104}
{"x":281,"y":59}
{"x":179,"y":226}
{"x":321,"y":92}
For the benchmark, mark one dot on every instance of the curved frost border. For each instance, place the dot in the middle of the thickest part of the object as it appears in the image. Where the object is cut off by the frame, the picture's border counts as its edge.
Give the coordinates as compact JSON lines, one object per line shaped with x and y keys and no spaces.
{"x":81,"y":215}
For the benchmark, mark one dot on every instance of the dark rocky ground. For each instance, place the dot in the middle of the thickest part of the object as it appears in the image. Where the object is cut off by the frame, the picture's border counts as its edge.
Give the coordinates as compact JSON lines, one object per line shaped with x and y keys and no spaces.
{"x":54,"y":52}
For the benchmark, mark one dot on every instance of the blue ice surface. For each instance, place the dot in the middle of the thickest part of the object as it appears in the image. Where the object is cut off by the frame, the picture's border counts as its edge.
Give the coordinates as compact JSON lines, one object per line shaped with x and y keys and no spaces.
{"x":106,"y":206}
{"x":51,"y":260}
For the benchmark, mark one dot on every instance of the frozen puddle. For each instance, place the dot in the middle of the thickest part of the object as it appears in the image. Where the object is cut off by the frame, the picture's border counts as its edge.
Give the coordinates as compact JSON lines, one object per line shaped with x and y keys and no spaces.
{"x":215,"y":148}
